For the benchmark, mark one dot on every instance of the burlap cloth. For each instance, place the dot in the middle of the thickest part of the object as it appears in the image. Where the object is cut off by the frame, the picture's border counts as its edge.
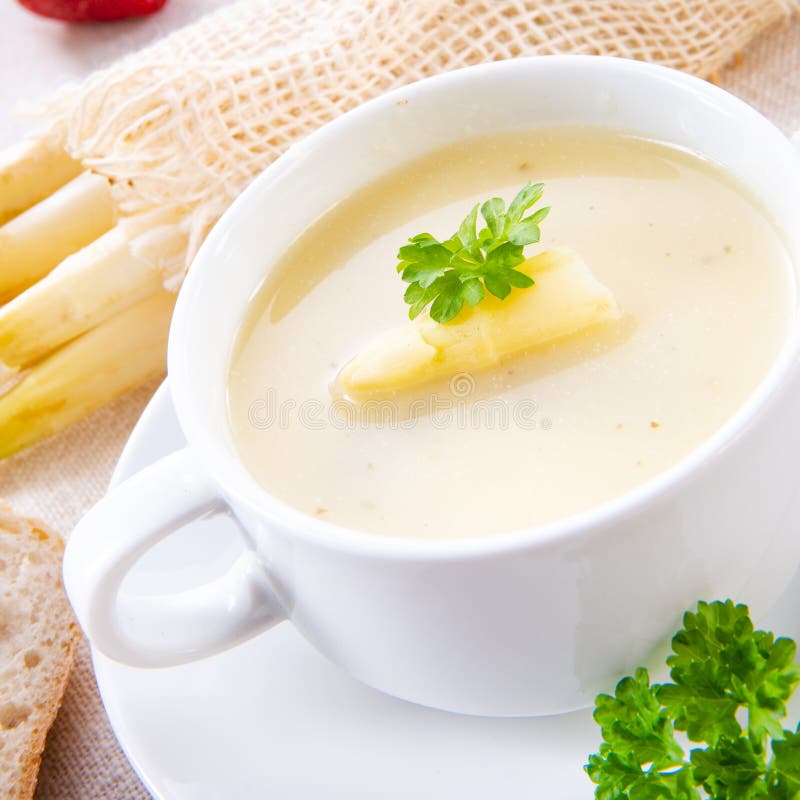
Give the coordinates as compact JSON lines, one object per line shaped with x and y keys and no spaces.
{"x":60,"y":479}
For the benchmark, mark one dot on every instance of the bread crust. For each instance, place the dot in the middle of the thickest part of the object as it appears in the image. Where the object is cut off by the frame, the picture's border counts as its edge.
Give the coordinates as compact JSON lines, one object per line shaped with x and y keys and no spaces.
{"x":38,"y":638}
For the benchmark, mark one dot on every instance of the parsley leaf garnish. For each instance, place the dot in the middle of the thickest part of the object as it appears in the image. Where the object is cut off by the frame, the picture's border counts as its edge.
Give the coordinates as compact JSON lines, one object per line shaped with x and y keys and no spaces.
{"x":446,"y":275}
{"x":730,"y":685}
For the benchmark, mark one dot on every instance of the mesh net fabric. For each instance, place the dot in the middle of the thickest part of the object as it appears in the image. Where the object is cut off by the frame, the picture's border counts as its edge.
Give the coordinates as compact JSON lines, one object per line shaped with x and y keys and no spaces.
{"x":186,"y":124}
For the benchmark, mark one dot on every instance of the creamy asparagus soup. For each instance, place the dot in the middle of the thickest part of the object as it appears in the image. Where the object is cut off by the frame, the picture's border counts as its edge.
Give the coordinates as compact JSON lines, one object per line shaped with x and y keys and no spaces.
{"x":647,"y":306}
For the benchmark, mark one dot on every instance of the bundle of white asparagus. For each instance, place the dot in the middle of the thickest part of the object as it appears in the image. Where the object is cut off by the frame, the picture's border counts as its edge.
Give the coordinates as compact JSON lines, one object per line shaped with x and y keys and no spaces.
{"x":100,"y":217}
{"x":84,"y":319}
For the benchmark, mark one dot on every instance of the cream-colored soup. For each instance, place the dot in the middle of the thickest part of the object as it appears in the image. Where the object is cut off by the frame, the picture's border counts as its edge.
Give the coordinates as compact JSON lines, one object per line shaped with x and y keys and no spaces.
{"x":699,"y":271}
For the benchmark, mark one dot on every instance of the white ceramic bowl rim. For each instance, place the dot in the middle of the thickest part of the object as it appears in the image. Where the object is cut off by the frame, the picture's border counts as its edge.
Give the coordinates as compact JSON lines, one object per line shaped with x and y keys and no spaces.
{"x":236,"y":481}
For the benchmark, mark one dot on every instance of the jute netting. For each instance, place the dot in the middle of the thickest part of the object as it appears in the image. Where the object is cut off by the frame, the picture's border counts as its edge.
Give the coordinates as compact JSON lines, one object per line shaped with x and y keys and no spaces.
{"x":184,"y":125}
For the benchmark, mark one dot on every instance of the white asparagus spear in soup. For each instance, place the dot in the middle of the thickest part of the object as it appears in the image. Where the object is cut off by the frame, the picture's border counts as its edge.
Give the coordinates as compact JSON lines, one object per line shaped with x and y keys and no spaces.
{"x":86,"y":288}
{"x":29,"y":172}
{"x":37,"y":240}
{"x":565,"y":299}
{"x":88,"y":372}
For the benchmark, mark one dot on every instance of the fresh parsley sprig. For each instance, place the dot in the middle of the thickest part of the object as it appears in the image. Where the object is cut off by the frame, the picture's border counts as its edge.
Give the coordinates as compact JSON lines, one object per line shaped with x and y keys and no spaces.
{"x":446,"y":275}
{"x":729,"y":692}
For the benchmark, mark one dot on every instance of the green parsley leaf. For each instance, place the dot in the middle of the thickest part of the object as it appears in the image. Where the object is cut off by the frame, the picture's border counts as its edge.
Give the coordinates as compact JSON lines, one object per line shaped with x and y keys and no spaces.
{"x":732,"y":768}
{"x":493,"y":212}
{"x":529,"y":195}
{"x":785,"y":773}
{"x":720,"y":664}
{"x":461,"y":270}
{"x":730,"y":685}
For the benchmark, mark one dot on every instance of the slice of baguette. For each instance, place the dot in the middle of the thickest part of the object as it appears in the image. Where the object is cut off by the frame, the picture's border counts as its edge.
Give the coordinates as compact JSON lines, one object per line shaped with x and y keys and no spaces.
{"x":38,"y":636}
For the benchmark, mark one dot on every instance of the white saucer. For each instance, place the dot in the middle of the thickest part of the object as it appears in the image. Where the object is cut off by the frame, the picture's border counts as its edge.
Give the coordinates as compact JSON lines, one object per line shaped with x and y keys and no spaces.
{"x":273,"y":719}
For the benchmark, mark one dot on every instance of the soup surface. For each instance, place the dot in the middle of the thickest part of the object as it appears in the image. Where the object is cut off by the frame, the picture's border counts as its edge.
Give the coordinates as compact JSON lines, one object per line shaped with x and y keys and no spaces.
{"x":700,"y":273}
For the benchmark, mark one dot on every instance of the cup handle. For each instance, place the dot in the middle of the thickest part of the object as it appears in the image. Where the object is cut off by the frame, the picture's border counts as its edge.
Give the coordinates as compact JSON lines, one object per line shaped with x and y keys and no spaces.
{"x":170,"y":629}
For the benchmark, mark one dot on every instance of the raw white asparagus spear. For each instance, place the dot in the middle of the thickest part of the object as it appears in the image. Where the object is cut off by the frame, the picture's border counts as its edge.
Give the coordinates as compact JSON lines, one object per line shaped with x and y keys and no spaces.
{"x":44,"y":235}
{"x":29,"y":172}
{"x":565,"y":299}
{"x":88,"y":372}
{"x":83,"y":290}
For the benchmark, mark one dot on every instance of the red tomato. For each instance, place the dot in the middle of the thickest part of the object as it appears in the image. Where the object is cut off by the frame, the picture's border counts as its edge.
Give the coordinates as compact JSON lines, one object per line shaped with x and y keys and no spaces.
{"x":92,"y":10}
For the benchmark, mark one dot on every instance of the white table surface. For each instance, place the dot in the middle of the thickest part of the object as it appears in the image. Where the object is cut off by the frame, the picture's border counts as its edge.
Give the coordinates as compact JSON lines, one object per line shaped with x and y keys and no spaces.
{"x":37,"y":54}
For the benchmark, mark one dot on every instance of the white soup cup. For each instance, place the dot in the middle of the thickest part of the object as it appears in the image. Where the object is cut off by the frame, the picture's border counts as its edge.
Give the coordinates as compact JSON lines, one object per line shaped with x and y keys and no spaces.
{"x":529,"y":622}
